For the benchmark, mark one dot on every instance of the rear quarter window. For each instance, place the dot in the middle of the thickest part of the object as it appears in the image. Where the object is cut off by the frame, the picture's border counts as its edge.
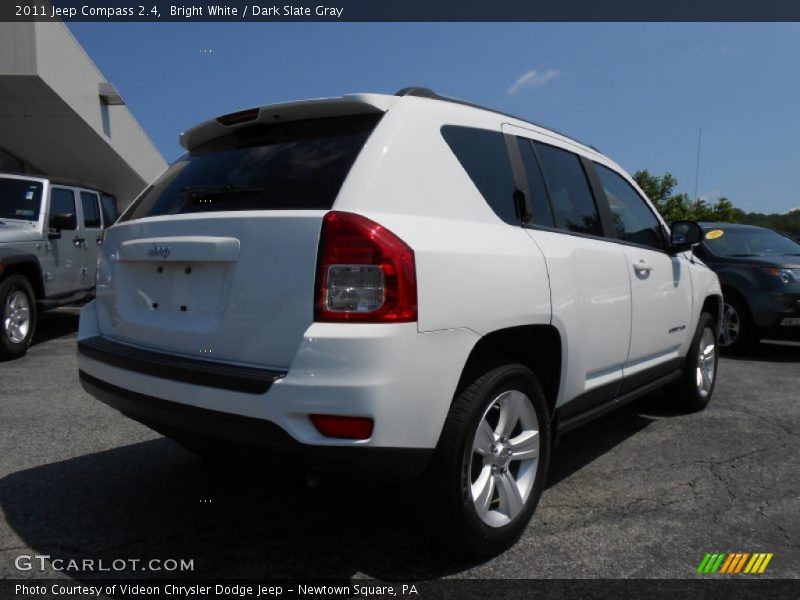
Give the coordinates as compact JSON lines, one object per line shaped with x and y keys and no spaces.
{"x":287,"y":166}
{"x":484,"y":156}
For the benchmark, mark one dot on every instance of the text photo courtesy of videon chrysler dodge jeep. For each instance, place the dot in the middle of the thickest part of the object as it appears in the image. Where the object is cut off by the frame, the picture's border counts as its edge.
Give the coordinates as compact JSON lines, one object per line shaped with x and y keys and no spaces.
{"x":420,"y":301}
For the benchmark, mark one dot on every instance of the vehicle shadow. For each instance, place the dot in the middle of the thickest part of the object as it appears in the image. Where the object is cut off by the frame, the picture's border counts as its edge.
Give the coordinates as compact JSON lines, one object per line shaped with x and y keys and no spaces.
{"x":770,"y":351}
{"x":581,"y":446}
{"x":156,"y":500}
{"x":54,"y":324}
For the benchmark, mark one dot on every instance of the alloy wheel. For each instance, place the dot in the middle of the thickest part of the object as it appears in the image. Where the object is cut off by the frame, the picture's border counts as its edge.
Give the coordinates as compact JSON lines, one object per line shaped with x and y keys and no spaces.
{"x":17,"y":316}
{"x":504,"y":458}
{"x":706,"y":363}
{"x":730,"y":326}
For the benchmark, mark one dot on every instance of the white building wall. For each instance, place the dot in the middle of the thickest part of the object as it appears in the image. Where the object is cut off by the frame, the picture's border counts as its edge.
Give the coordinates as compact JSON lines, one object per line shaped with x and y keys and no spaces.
{"x":17,"y":49}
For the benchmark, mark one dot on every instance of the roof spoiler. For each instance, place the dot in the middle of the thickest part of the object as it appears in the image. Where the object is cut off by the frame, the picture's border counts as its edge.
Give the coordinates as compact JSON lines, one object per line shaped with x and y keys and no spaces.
{"x":355,"y":104}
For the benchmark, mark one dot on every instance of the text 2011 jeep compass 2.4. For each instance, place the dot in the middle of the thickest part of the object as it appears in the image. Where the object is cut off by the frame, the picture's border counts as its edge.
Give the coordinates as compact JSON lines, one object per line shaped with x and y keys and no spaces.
{"x":404,"y":283}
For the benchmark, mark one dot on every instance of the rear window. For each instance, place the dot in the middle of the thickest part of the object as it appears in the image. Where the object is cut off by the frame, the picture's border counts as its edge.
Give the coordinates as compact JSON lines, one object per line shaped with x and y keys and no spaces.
{"x":286,"y":166}
{"x":20,"y":199}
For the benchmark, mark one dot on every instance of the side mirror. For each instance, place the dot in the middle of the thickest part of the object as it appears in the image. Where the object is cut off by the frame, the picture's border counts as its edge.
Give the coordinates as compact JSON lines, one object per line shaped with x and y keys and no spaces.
{"x":59,"y":221}
{"x":683,"y":235}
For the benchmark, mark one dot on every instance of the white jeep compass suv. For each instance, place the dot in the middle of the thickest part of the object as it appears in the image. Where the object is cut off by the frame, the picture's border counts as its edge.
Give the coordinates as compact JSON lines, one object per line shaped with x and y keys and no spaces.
{"x":399,"y":284}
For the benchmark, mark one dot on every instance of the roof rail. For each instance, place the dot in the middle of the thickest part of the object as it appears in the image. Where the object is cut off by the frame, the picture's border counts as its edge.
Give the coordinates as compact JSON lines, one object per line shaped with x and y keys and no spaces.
{"x":423,"y":92}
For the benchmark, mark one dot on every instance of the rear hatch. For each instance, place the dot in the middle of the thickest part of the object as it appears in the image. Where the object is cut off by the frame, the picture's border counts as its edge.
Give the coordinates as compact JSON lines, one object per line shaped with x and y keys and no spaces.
{"x":217,"y":258}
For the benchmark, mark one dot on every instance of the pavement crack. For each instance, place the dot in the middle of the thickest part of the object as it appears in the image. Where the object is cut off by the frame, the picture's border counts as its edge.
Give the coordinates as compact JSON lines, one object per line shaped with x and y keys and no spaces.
{"x":769,"y":418}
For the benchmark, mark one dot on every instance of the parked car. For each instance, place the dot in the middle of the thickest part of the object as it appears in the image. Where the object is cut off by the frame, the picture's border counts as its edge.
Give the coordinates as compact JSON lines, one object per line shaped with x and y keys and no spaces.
{"x":759,"y":270}
{"x":396,"y":285}
{"x":50,"y":233}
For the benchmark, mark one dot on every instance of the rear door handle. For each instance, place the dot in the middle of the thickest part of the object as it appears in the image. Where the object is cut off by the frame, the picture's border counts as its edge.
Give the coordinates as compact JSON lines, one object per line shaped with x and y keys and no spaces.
{"x":78,"y":241}
{"x":642,"y":267}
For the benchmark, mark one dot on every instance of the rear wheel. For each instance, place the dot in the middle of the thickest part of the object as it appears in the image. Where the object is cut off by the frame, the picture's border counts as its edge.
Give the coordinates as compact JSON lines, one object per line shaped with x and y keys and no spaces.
{"x":696,"y":386}
{"x":18,"y":316}
{"x":492,"y":459}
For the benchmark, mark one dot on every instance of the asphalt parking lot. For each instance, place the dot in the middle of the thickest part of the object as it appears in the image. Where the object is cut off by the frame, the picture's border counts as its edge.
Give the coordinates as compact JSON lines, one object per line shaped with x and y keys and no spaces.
{"x":643,"y":493}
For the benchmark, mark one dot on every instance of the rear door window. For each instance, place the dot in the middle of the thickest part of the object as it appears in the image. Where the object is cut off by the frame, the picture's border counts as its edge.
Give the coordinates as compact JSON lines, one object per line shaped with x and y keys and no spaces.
{"x":484,"y":156}
{"x":285,"y":166}
{"x":571,"y":197}
{"x":91,"y":210}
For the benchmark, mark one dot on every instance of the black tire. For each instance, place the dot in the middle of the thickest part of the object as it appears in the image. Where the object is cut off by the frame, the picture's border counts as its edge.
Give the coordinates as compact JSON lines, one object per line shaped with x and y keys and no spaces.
{"x":746,"y":336}
{"x":451,"y":469}
{"x":11,"y":348}
{"x":688,"y":392}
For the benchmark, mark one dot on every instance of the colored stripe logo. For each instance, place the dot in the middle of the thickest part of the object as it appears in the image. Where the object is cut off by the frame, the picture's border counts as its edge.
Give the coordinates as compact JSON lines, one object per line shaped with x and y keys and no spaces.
{"x":735,"y":562}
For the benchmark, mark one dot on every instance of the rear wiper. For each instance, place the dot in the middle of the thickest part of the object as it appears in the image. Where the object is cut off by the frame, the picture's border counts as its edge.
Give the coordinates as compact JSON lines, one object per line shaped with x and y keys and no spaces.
{"x":193,"y":192}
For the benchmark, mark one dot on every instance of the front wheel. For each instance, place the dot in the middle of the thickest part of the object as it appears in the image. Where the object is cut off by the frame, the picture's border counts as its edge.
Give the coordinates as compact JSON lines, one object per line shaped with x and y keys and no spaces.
{"x":694,"y":389}
{"x":492,"y":459}
{"x":18,"y":316}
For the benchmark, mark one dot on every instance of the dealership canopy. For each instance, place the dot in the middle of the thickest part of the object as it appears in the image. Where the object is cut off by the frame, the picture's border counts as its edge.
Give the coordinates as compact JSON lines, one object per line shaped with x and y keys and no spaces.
{"x":60,"y":117}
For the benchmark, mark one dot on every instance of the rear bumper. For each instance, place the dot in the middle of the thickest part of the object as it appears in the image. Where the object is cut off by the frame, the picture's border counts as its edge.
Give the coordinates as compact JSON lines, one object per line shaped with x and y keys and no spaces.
{"x":402,"y":379}
{"x":254,"y":438}
{"x":179,"y":368}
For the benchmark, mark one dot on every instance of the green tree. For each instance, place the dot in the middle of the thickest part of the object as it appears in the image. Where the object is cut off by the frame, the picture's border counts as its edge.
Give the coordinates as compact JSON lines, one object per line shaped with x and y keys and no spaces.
{"x":677,"y":207}
{"x":701,"y":211}
{"x":725,"y":211}
{"x":658,"y":189}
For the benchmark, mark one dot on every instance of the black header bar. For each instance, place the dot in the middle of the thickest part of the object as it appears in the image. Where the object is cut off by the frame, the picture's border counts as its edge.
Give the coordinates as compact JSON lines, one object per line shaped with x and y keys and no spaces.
{"x":401,"y":10}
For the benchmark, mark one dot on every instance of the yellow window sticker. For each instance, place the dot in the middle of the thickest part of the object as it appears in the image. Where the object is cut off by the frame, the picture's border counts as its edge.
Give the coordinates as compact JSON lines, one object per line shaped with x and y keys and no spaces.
{"x":714,"y":234}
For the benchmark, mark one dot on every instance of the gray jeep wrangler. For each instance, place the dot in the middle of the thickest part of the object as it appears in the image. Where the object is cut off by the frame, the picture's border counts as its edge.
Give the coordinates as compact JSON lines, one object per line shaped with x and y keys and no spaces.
{"x":50,"y":231}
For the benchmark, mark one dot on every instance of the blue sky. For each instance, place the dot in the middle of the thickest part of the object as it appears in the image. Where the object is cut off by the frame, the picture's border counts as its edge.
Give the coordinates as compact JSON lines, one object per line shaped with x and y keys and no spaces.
{"x":638,"y":92}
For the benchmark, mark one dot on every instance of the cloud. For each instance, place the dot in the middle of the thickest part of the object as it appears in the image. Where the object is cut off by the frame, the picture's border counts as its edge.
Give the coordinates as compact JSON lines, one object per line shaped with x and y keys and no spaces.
{"x":533,"y":78}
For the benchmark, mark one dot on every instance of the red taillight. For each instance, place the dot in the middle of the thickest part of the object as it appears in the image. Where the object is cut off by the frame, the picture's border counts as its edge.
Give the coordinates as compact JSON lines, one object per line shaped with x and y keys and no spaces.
{"x":242,"y":116}
{"x":366,"y":273}
{"x":351,"y":428}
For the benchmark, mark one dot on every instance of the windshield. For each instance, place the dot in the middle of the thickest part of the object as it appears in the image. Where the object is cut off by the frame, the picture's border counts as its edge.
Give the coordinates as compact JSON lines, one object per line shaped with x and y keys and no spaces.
{"x":20,"y":199}
{"x":745,"y":242}
{"x":286,"y":166}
